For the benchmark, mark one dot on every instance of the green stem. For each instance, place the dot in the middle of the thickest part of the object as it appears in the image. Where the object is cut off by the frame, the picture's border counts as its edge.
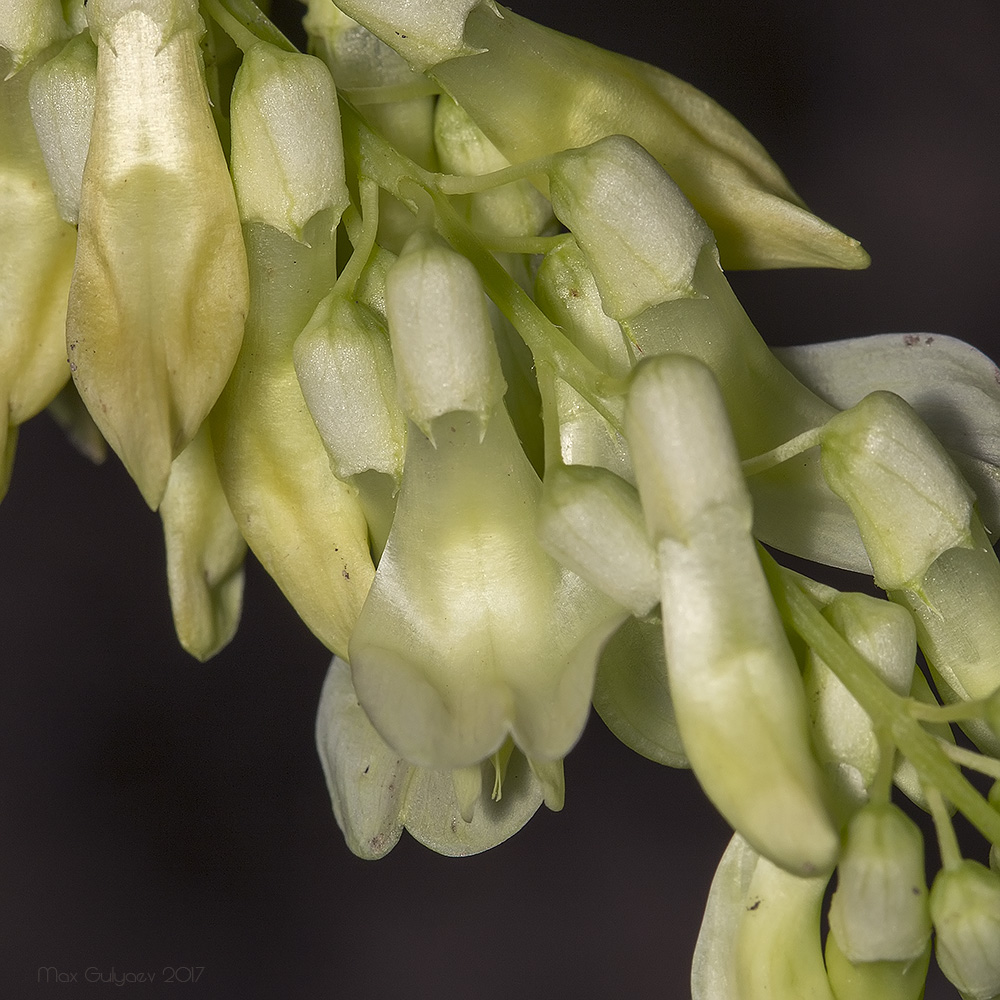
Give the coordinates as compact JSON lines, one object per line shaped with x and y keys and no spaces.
{"x":989,"y":766}
{"x":475,"y":183}
{"x":411,"y":184}
{"x":522,"y":244}
{"x":550,"y":416}
{"x":881,"y":787}
{"x":246,"y":24}
{"x":888,"y":710}
{"x":393,"y":94}
{"x":798,"y":444}
{"x":960,"y":711}
{"x":545,"y":340}
{"x":951,"y":853}
{"x":363,"y":240}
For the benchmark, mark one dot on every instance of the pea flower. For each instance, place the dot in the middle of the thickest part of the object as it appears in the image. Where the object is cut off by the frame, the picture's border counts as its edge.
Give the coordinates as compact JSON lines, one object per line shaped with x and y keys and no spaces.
{"x":159,"y":292}
{"x":435,"y":321}
{"x":470,"y":632}
{"x":35,"y":273}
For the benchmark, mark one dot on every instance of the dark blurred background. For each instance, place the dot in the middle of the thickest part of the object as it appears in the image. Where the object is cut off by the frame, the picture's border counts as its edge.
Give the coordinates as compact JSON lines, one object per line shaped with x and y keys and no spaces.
{"x":161,"y":813}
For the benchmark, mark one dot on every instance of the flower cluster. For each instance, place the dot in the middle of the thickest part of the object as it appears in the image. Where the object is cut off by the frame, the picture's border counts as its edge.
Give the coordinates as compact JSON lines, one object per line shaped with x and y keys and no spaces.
{"x":435,"y":321}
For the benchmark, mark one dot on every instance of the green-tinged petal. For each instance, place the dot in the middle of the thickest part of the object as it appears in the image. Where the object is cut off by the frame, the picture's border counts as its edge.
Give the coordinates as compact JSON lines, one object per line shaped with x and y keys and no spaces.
{"x":471,"y":631}
{"x":843,"y":733}
{"x":159,"y":293}
{"x":953,"y":387}
{"x":714,"y":971}
{"x":306,"y":527}
{"x":366,"y":779}
{"x":590,"y":94}
{"x":760,"y":935}
{"x":36,"y":264}
{"x":632,"y":694}
{"x":904,"y":980}
{"x":205,"y":551}
{"x":375,"y":793}
{"x":735,"y":684}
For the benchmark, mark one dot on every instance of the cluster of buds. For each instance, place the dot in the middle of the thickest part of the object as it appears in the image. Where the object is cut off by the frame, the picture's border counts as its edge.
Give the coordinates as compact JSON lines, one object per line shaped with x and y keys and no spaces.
{"x":435,"y":321}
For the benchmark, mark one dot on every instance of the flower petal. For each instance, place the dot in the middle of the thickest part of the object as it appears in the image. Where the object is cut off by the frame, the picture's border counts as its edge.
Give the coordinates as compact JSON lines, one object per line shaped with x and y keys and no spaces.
{"x":954,"y":387}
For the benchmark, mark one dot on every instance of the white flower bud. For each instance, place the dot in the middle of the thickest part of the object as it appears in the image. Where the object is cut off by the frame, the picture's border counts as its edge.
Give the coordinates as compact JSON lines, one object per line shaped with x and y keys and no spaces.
{"x":965,"y":908}
{"x":879,"y":911}
{"x":287,"y":150}
{"x":62,"y":97}
{"x":442,"y":341}
{"x":425,"y":34}
{"x":591,"y":521}
{"x":909,"y":500}
{"x":29,"y":26}
{"x":682,"y":449}
{"x":639,"y":233}
{"x":344,"y":366}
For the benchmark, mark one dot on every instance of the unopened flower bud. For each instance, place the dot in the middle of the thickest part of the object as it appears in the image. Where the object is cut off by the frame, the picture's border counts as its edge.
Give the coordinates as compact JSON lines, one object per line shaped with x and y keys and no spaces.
{"x":62,"y":108}
{"x":749,"y":742}
{"x":513,"y":209}
{"x":29,"y":26}
{"x":591,"y":521}
{"x":567,"y":293}
{"x":639,"y":233}
{"x":423,"y":33}
{"x":344,"y":365}
{"x":160,"y":289}
{"x":909,"y":499}
{"x":287,"y":150}
{"x":682,"y":449}
{"x":879,"y":911}
{"x":884,"y":634}
{"x":965,"y":908}
{"x":442,"y":341}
